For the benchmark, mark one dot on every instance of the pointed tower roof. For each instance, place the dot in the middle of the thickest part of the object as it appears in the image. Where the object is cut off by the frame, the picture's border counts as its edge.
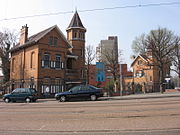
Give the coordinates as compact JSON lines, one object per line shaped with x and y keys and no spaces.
{"x":76,"y":22}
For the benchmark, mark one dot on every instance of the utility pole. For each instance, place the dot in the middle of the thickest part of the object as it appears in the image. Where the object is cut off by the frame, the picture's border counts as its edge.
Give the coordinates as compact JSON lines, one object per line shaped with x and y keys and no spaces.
{"x":121,"y":80}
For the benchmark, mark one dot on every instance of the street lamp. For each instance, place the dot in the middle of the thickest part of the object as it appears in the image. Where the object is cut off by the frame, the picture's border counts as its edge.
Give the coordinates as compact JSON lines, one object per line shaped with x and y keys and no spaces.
{"x":121,"y":80}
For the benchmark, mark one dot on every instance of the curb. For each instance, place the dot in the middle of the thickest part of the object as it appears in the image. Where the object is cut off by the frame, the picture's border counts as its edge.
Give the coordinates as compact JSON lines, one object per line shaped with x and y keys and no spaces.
{"x":140,"y":97}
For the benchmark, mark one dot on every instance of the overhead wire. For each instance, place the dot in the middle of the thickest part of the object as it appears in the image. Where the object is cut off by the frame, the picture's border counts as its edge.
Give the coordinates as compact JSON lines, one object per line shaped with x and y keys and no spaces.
{"x":97,"y":9}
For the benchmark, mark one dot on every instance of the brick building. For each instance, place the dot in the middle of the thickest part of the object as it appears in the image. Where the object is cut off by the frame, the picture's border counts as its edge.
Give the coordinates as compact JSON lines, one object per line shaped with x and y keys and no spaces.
{"x":109,"y":77}
{"x":48,"y":59}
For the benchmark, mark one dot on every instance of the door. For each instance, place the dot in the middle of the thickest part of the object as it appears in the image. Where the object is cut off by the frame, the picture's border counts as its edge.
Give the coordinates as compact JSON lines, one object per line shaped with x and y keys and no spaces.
{"x":15,"y":94}
{"x":23,"y":93}
{"x":83,"y":92}
{"x":74,"y":92}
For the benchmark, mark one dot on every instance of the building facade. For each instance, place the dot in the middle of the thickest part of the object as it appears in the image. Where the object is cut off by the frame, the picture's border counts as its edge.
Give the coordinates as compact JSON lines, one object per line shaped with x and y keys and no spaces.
{"x":48,"y":61}
{"x":108,"y":81}
{"x":146,"y":74}
{"x":107,"y":47}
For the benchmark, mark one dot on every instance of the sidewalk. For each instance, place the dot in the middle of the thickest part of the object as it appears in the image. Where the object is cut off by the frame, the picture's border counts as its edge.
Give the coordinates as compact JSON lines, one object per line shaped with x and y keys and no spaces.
{"x":143,"y":96}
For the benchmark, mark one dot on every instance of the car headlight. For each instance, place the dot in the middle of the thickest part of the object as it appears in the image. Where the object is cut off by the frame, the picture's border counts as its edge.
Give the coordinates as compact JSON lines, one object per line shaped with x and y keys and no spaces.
{"x":56,"y":95}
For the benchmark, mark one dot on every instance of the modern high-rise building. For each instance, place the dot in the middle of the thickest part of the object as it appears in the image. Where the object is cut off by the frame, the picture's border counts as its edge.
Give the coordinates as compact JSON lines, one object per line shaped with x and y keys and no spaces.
{"x":107,"y":49}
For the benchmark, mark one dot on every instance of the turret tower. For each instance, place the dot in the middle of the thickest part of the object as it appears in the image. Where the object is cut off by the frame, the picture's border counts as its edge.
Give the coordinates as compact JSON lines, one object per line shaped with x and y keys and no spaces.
{"x":76,"y":36}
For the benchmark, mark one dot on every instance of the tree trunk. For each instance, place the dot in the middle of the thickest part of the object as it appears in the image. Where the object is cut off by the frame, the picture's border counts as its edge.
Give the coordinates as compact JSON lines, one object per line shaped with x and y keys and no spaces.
{"x":162,"y":88}
{"x":178,"y":83}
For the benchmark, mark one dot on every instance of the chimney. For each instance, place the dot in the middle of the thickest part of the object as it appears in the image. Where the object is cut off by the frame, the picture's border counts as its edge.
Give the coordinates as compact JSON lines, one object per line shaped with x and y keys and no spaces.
{"x":23,"y":35}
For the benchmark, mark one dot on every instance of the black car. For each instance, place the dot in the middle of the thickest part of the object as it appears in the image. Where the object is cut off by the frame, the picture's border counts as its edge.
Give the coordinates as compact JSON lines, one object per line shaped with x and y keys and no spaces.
{"x":80,"y":92}
{"x":21,"y":94}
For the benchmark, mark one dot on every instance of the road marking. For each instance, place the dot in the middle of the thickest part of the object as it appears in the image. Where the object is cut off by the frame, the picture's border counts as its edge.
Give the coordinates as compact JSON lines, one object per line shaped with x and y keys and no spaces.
{"x":42,"y":127}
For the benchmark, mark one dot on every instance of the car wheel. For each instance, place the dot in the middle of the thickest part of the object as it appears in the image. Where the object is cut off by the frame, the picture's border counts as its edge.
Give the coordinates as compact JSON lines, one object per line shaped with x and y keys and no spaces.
{"x":34,"y":100}
{"x":62,"y":98}
{"x":93,"y":97}
{"x":6,"y":100}
{"x":28,"y":100}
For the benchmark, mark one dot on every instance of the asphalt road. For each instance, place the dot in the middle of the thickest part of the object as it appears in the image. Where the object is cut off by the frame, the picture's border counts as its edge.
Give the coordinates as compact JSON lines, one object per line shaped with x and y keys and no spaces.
{"x":156,"y":116}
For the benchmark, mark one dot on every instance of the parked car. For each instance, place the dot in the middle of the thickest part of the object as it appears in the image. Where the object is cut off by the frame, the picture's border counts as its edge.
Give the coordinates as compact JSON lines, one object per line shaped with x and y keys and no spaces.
{"x":21,"y":94}
{"x":80,"y":92}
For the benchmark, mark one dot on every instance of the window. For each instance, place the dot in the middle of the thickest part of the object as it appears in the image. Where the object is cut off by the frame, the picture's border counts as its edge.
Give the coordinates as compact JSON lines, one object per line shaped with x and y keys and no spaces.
{"x":23,"y":90}
{"x":75,"y":34}
{"x":140,"y":73}
{"x":53,"y":64}
{"x":46,"y":63}
{"x":140,"y":62}
{"x":53,"y":89}
{"x":32,"y":61}
{"x":84,"y":87}
{"x":82,"y":73}
{"x":13,"y":64}
{"x":81,"y":35}
{"x":150,"y":78}
{"x":50,"y":42}
{"x":75,"y":89}
{"x":62,"y":65}
{"x":58,"y":61}
{"x":82,"y":52}
{"x":53,"y":41}
{"x":16,"y":90}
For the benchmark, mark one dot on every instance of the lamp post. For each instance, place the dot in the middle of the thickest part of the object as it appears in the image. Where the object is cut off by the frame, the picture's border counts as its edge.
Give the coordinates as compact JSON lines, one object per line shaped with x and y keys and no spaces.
{"x":121,"y":81}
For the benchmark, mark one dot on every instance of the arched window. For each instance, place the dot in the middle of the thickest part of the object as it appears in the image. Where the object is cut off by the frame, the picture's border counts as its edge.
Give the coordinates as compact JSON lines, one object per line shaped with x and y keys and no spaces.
{"x":32,"y":64}
{"x":13,"y":64}
{"x":75,"y":34}
{"x":46,"y":61}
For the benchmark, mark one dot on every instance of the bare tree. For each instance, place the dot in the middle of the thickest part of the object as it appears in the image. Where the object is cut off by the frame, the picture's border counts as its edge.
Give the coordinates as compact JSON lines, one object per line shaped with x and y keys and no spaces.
{"x":161,"y":42}
{"x":139,"y":45}
{"x":176,"y":58}
{"x":90,"y":56}
{"x":7,"y":39}
{"x":112,"y":63}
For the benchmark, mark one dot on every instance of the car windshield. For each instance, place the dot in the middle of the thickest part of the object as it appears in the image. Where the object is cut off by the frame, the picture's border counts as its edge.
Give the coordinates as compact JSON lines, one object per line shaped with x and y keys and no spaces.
{"x":33,"y":90}
{"x":15,"y":91}
{"x":93,"y":87}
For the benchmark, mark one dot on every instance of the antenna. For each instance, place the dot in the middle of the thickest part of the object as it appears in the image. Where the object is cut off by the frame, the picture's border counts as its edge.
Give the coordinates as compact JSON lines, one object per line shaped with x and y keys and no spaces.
{"x":75,"y":9}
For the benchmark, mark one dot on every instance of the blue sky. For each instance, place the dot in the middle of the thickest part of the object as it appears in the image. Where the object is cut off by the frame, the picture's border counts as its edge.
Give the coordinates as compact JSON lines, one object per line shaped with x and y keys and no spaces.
{"x":125,"y":23}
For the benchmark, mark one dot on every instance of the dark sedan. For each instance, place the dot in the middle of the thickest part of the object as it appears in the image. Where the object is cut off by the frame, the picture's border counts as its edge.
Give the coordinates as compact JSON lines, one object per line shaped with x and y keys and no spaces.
{"x":80,"y":92}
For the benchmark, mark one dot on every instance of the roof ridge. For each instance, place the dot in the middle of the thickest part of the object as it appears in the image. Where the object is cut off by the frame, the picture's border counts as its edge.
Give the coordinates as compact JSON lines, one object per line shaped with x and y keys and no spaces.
{"x":46,"y":31}
{"x":36,"y":37}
